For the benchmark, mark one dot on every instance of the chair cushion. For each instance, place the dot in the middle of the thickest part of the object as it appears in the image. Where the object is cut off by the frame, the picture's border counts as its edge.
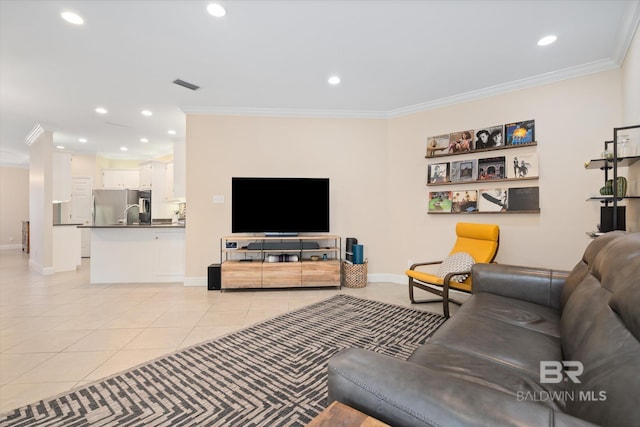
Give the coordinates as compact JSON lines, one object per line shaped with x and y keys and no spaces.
{"x":460,"y":261}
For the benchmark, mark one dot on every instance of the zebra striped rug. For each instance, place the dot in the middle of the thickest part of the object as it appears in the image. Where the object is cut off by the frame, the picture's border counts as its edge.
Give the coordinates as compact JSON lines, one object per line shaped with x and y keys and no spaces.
{"x":271,"y":374}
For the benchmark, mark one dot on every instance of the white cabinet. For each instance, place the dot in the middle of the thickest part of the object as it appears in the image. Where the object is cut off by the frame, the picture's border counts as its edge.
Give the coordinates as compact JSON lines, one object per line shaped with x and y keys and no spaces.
{"x":153,"y":176}
{"x":121,"y":178}
{"x":169,"y":179}
{"x":170,"y":253}
{"x":61,"y":177}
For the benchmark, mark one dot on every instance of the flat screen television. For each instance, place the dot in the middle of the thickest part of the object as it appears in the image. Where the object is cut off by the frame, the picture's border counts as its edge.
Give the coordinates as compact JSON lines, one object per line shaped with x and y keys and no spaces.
{"x":279,"y":206}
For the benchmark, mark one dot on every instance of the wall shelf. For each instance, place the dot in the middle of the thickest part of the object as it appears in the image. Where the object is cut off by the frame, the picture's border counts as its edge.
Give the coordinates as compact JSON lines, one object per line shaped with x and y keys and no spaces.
{"x":483,"y":150}
{"x":483,"y":181}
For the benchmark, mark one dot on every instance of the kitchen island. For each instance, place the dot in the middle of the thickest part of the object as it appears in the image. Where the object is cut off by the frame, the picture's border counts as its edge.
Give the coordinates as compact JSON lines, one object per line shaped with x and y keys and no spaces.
{"x":137,"y":253}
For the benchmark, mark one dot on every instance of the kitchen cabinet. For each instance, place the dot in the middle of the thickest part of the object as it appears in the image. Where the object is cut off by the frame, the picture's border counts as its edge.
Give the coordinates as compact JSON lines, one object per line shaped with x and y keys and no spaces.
{"x":169,"y":247}
{"x":121,"y":178}
{"x":153,"y":176}
{"x":61,"y":177}
{"x":179,"y":171}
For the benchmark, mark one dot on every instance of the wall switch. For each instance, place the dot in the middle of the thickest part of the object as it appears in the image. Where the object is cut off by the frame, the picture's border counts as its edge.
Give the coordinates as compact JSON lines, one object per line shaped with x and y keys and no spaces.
{"x":217,"y":198}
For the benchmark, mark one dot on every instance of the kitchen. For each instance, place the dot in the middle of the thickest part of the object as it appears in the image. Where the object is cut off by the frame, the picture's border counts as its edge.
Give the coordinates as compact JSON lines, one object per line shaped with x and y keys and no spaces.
{"x":131,"y":224}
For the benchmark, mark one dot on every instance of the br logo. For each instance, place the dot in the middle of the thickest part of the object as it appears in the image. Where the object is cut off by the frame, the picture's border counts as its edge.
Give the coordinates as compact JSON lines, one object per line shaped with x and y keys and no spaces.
{"x":553,"y":372}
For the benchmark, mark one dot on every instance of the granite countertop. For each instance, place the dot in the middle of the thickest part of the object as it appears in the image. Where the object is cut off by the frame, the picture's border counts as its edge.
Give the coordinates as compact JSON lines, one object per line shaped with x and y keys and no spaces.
{"x":59,"y":225}
{"x":159,"y":225}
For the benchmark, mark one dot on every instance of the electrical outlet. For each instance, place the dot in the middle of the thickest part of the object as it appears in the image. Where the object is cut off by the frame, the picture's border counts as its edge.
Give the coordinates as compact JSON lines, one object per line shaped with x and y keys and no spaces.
{"x":409,"y":263}
{"x":11,"y":239}
{"x":218,"y":198}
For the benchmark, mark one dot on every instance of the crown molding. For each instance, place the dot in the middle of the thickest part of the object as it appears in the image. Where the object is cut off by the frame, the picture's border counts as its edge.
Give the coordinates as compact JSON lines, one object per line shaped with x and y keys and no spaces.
{"x":539,"y":80}
{"x":631,"y":21}
{"x":34,"y":134}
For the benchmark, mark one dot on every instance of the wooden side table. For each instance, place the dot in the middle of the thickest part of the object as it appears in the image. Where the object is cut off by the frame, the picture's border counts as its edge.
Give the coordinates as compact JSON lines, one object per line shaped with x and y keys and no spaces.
{"x":340,"y":415}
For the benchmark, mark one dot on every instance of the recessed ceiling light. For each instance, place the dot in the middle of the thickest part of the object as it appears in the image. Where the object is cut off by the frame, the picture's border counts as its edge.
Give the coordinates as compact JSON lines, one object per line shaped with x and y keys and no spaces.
{"x":59,"y":147}
{"x":171,"y":132}
{"x":144,"y":140}
{"x":72,"y":18}
{"x":334,"y":80}
{"x":216,"y":10}
{"x":101,"y":110}
{"x":123,"y":148}
{"x":83,"y":140}
{"x":547,"y":40}
{"x":146,"y":113}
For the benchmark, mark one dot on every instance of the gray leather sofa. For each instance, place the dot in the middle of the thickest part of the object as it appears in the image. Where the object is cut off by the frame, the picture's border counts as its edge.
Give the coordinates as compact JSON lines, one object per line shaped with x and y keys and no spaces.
{"x":483,"y":366}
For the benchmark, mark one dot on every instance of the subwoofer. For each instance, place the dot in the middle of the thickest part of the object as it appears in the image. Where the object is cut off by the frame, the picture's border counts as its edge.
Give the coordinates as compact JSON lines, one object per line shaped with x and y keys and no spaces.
{"x":214,"y":276}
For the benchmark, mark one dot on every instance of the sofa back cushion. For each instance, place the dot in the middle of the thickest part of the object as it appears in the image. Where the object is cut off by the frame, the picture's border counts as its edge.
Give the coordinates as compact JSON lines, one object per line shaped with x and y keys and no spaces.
{"x":600,"y":328}
{"x":582,"y":269}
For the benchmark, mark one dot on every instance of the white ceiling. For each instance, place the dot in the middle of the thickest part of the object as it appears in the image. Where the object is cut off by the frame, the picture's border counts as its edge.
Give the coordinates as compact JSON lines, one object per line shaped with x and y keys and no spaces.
{"x":274,"y":57}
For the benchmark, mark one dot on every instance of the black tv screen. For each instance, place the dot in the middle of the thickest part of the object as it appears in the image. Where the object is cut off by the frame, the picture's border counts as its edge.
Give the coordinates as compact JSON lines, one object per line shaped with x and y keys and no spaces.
{"x":279,"y":205}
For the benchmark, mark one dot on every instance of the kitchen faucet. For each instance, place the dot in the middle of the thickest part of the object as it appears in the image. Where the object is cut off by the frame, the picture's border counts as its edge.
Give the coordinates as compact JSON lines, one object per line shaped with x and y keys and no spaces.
{"x":125,"y":216}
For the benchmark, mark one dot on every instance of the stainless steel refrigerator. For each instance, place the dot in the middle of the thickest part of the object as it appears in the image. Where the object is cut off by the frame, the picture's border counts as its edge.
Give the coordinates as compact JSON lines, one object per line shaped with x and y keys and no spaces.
{"x":109,"y":206}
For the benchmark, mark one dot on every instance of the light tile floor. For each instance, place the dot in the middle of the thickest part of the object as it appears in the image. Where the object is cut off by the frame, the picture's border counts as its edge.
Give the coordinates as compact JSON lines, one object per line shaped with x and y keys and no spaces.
{"x":58,"y":332}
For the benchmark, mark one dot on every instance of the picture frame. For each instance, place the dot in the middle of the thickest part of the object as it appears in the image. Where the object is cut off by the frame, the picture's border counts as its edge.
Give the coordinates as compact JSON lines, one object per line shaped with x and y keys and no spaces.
{"x":491,"y":168}
{"x":437,"y":145}
{"x":493,"y":200}
{"x":438,"y":173}
{"x":464,"y":170}
{"x":439,"y":201}
{"x":522,"y":166}
{"x":230,"y":246}
{"x":520,"y":132}
{"x":523,"y":199}
{"x":464,"y":201}
{"x":460,"y":142}
{"x":489,"y":137}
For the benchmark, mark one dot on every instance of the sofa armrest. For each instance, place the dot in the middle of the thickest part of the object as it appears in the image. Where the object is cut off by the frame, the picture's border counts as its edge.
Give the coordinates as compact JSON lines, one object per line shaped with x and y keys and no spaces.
{"x":401,"y":393}
{"x":537,"y":285}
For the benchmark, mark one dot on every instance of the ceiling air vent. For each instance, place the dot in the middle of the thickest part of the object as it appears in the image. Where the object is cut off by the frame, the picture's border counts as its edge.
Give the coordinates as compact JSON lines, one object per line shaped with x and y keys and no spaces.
{"x":186,"y":84}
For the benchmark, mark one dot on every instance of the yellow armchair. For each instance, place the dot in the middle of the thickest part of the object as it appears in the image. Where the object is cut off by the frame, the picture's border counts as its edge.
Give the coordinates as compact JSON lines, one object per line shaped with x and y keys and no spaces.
{"x":481,"y":241}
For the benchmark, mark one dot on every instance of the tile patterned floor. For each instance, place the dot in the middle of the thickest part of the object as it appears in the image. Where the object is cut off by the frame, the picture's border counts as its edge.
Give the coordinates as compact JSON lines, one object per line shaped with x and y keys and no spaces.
{"x":58,"y":332}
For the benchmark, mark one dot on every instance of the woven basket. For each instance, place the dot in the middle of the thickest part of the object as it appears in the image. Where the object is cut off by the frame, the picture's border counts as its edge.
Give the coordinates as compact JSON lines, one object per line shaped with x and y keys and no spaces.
{"x":354,"y":275}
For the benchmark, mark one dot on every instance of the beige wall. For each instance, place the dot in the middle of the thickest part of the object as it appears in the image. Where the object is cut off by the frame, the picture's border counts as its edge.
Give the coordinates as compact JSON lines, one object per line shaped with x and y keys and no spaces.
{"x":378,"y":173}
{"x":352,"y":153}
{"x":631,"y":117}
{"x":573,"y":118}
{"x":14,"y":204}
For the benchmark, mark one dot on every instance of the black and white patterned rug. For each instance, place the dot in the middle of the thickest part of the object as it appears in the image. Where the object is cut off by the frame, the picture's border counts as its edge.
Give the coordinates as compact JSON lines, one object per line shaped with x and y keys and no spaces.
{"x":271,"y":374}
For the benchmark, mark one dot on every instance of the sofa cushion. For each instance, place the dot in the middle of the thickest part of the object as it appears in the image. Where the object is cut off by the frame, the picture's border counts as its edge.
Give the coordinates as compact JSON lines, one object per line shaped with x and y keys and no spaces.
{"x":485,"y":372}
{"x":521,"y":313}
{"x":497,"y":341}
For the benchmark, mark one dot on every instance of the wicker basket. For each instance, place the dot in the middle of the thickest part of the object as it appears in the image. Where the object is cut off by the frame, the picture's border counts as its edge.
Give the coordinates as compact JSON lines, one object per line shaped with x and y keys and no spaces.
{"x":354,"y":275}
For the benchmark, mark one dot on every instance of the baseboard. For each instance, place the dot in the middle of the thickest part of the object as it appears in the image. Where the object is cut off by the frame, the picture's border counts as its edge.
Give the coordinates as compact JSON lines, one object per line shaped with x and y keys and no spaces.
{"x":387,"y":278}
{"x":195,"y":281}
{"x":45,"y":271}
{"x":10,"y":247}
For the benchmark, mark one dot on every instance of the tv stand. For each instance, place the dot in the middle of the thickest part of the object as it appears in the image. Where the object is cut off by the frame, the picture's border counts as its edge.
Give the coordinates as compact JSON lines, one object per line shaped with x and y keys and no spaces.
{"x":323,"y":271}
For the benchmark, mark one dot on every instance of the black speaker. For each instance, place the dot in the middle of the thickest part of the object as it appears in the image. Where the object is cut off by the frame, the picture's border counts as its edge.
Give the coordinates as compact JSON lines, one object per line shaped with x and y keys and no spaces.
{"x":214,"y":277}
{"x":606,"y":218}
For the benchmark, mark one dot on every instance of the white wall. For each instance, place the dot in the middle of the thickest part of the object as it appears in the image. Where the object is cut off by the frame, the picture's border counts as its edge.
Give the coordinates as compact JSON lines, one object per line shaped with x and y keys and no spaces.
{"x":40,"y":199}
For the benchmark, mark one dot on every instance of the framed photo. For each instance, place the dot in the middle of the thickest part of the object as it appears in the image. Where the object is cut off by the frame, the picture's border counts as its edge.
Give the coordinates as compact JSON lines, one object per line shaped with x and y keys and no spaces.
{"x":464,"y":170}
{"x":438,"y":173}
{"x":522,"y":165}
{"x":524,"y":199}
{"x":520,"y":132}
{"x":440,"y":201}
{"x":464,"y":201}
{"x":491,"y":168}
{"x":460,"y":142}
{"x":437,"y":145}
{"x":231,"y":245}
{"x":494,"y":200}
{"x":490,"y":137}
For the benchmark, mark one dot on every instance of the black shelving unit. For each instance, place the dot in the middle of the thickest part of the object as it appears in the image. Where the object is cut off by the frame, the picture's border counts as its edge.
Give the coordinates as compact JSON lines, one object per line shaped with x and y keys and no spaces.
{"x":612,"y":164}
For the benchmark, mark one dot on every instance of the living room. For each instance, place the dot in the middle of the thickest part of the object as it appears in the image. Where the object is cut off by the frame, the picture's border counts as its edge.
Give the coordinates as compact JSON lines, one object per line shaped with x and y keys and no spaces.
{"x":378,"y":173}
